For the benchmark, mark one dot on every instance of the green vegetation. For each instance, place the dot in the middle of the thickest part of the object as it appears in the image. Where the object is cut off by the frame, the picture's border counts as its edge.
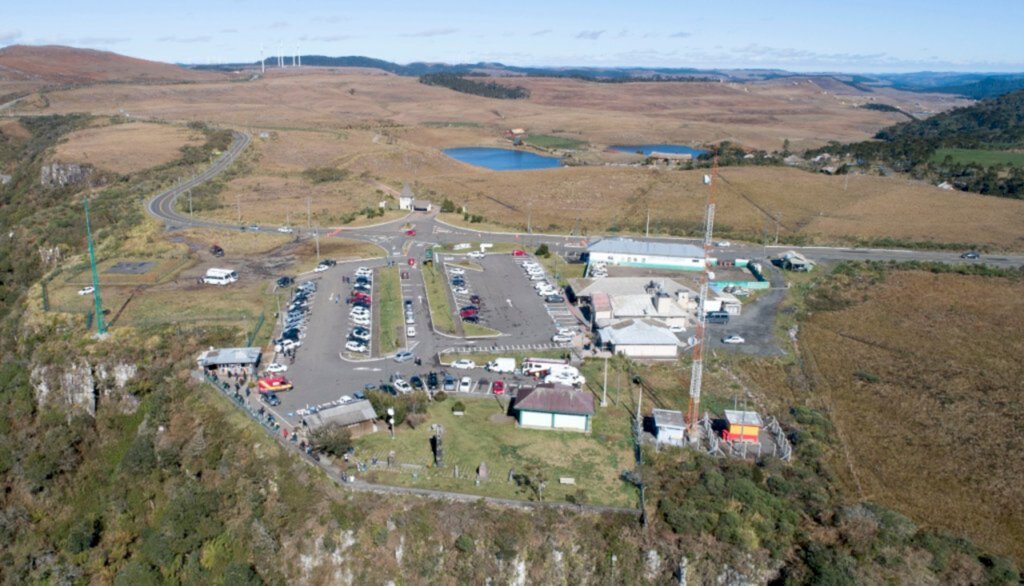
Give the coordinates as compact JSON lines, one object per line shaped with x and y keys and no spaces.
{"x":548,"y":141}
{"x":325,"y":174}
{"x":560,"y":269}
{"x":471,"y":330}
{"x":463,"y":85}
{"x":486,"y":434}
{"x":985,"y":158}
{"x":994,"y":125}
{"x":390,"y":321}
{"x":437,"y":298}
{"x":331,"y":439}
{"x":542,"y":251}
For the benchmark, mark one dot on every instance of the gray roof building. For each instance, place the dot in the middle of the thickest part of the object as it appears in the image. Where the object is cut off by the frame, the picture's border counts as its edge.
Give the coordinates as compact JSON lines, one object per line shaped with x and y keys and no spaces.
{"x":666,"y":418}
{"x":346,"y":414}
{"x":229,"y":357}
{"x":638,"y":332}
{"x":641,"y":248}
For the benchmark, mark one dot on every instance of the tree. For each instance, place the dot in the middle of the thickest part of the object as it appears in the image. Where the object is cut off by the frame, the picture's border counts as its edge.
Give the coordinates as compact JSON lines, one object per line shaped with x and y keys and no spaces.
{"x":532,"y":480}
{"x":447,"y":206}
{"x":543,"y":251}
{"x":331,"y":439}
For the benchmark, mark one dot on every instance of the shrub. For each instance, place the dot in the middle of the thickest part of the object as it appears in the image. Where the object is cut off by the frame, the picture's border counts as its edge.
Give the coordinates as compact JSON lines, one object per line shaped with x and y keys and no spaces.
{"x":440,"y":396}
{"x":448,"y":206}
{"x":465,"y":544}
{"x":543,"y":251}
{"x":331,"y":439}
{"x":458,"y":406}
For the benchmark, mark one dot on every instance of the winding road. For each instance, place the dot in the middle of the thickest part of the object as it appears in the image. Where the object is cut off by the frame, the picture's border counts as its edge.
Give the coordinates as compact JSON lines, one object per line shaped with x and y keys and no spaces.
{"x":388,"y":237}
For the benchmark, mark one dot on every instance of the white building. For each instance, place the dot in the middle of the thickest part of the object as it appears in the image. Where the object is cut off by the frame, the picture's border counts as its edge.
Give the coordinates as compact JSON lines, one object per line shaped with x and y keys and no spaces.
{"x":637,"y":253}
{"x":669,"y":427}
{"x":640,"y":338}
{"x":554,"y":406}
{"x":406,"y":198}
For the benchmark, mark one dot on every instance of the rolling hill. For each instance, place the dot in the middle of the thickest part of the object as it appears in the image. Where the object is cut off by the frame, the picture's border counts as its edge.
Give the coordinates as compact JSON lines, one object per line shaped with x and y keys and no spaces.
{"x":59,"y":64}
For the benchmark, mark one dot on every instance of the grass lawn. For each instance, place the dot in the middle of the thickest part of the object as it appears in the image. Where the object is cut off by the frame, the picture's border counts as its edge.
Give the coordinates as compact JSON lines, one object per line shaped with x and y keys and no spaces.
{"x":980,"y":156}
{"x":562,"y":271}
{"x":548,"y":141}
{"x":388,"y":296}
{"x":437,"y":297}
{"x":476,"y":330}
{"x":486,"y":435}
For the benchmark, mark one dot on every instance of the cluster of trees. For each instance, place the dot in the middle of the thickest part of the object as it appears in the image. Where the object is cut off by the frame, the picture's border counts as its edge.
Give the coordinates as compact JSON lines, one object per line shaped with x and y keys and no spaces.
{"x":325,"y":174}
{"x":909,"y":147}
{"x":491,"y":89}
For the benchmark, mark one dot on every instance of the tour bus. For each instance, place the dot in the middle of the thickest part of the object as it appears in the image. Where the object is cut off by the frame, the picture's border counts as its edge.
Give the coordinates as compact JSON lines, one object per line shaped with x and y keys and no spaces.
{"x":220,"y":277}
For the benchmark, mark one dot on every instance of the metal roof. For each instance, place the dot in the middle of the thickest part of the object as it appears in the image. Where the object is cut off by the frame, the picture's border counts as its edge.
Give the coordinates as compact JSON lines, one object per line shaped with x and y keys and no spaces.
{"x":555,"y":398}
{"x":224,"y":356}
{"x":638,"y":332}
{"x":743,"y":418}
{"x":614,"y":286}
{"x":639,"y":247}
{"x":344,"y":414}
{"x":668,"y":418}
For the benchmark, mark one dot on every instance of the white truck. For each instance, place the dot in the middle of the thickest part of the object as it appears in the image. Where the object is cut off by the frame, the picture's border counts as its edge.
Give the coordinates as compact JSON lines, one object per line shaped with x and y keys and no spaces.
{"x":566,"y":377}
{"x":220,"y":277}
{"x":503,"y":365}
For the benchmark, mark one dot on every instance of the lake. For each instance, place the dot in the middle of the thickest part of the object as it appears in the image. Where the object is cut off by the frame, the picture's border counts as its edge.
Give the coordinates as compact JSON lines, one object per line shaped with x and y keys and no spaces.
{"x":502,"y":159}
{"x":647,"y":149}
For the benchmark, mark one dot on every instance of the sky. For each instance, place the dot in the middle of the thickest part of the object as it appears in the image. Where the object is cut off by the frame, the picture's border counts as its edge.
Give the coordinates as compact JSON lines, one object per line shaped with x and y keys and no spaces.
{"x":876,"y":36}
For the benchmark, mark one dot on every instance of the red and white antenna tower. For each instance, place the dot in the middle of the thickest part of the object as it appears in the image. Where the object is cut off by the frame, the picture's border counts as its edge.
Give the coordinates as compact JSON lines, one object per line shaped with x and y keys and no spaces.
{"x":693,"y":410}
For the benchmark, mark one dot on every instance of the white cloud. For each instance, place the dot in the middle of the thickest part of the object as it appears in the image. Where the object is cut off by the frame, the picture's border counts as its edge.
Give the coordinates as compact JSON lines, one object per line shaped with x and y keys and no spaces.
{"x":590,"y":35}
{"x":541,"y":32}
{"x":680,"y":35}
{"x":433,"y":32}
{"x":9,"y":36}
{"x":186,"y":40}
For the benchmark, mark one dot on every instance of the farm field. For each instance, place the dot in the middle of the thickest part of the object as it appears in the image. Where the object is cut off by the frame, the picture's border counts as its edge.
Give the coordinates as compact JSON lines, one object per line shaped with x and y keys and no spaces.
{"x":922,"y":382}
{"x":127,"y":148}
{"x":980,"y":156}
{"x":485,"y":434}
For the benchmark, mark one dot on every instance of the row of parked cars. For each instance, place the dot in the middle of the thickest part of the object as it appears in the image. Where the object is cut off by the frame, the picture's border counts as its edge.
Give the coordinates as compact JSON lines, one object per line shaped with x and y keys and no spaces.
{"x":469,"y":303}
{"x":294,"y":327}
{"x":434,"y":381}
{"x":550,"y":293}
{"x":361,"y":314}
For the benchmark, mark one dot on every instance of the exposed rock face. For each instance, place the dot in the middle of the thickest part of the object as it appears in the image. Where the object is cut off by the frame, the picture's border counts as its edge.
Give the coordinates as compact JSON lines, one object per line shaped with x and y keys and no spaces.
{"x":80,"y":385}
{"x":63,"y":174}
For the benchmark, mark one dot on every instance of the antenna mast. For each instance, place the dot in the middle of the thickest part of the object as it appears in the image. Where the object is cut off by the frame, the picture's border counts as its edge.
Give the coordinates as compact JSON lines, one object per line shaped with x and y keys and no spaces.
{"x":101,"y":326}
{"x":263,"y":62}
{"x":697,"y":372}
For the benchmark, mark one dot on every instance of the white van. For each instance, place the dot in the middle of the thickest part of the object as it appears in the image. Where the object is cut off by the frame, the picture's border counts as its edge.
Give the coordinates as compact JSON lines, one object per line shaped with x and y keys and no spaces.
{"x":503,"y":365}
{"x":220,"y":277}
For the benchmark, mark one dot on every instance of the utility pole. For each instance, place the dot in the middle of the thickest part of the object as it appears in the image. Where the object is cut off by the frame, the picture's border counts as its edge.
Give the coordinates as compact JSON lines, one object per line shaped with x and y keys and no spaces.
{"x":238,"y":202}
{"x":647,"y":231}
{"x":101,"y":326}
{"x":604,"y":392}
{"x":777,"y":216}
{"x":190,"y":203}
{"x":529,"y":218}
{"x":316,"y":237}
{"x":309,"y":216}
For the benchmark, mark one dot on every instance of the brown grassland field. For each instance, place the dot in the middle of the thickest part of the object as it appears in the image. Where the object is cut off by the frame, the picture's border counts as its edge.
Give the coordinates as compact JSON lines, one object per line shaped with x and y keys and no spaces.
{"x":921,"y":377}
{"x":127,"y":148}
{"x":385,"y":130}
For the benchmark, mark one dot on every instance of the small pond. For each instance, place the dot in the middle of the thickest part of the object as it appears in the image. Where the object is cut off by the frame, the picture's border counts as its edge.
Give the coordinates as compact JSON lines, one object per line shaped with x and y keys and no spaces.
{"x":502,"y":159}
{"x":647,"y":149}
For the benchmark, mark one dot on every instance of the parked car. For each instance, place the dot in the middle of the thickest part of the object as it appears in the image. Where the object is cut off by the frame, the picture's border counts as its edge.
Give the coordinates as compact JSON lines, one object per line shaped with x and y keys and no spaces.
{"x":361,"y":320}
{"x":554,"y":299}
{"x":401,"y":385}
{"x":970,"y":255}
{"x":449,"y":382}
{"x":468,"y":313}
{"x":471,"y":319}
{"x":410,"y":232}
{"x":410,"y":319}
{"x":359,"y":311}
{"x":254,"y":227}
{"x":498,"y":387}
{"x":328,"y":262}
{"x":284,"y":281}
{"x":410,"y":331}
{"x":86,"y":290}
{"x":518,"y":252}
{"x":217,"y":251}
{"x":403,"y":357}
{"x":465,"y":385}
{"x":275,"y":368}
{"x":271,"y":399}
{"x":560,"y":339}
{"x":282,"y":345}
{"x":474,"y":299}
{"x":476,"y":254}
{"x":416,"y":382}
{"x":463,"y":364}
{"x":458,"y":282}
{"x":320,"y":268}
{"x":469,"y":308}
{"x":355,"y":346}
{"x":285,"y":229}
{"x":733,"y":339}
{"x":432,"y":380}
{"x":460,"y":291}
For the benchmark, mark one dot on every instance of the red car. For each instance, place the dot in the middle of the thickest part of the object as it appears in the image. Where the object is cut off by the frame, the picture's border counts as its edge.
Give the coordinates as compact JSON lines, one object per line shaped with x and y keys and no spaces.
{"x":410,"y":232}
{"x":498,"y":388}
{"x":467,"y":313}
{"x":361,"y":295}
{"x":270,"y":384}
{"x":518,"y":252}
